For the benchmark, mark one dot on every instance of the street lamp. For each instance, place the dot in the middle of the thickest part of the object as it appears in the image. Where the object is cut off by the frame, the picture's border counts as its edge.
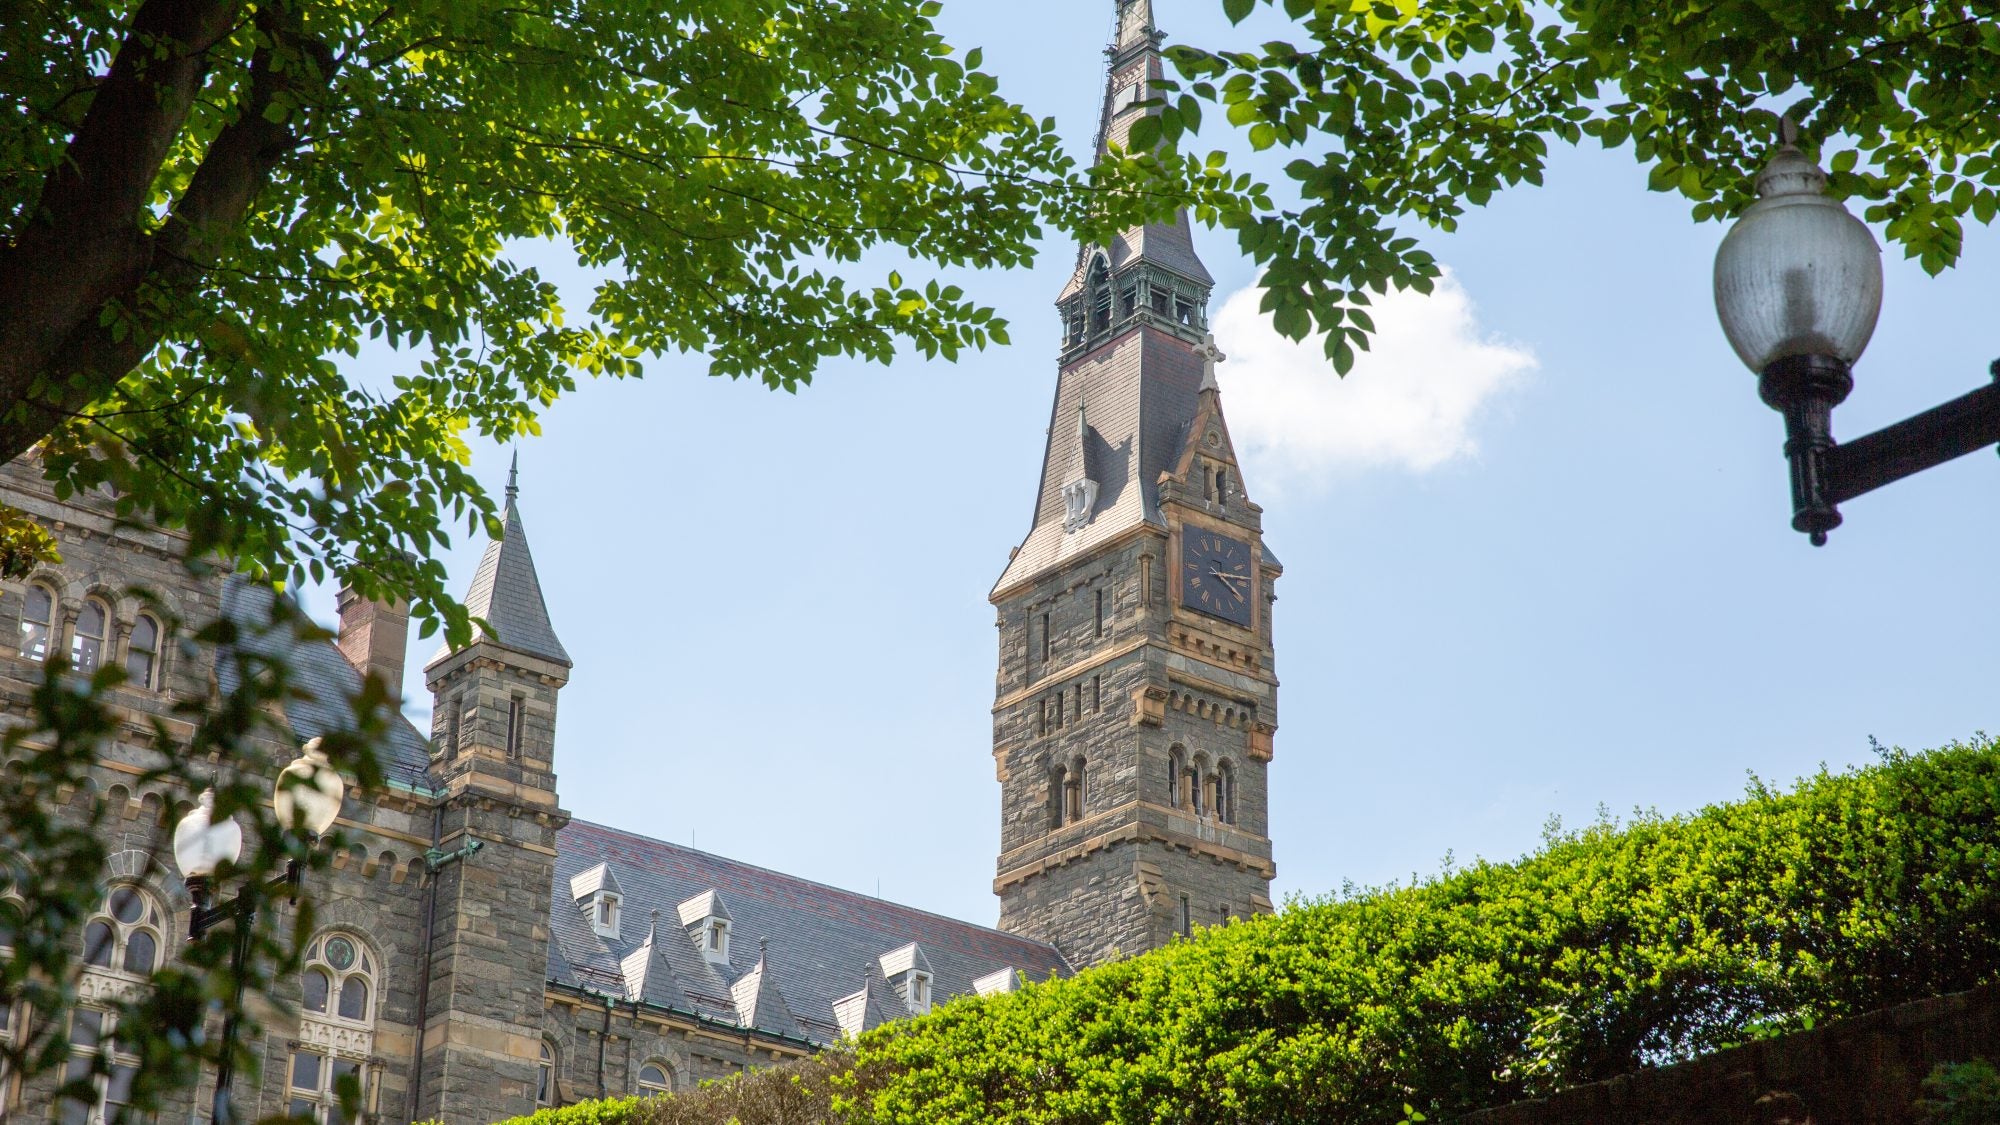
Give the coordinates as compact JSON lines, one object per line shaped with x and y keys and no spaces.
{"x":1798,"y":286}
{"x":306,"y":799}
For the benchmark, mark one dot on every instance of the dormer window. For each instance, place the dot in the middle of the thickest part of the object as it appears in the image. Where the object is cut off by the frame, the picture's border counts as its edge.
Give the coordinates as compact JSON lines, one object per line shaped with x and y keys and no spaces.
{"x":708,"y":923}
{"x":598,"y":895}
{"x":908,"y":971}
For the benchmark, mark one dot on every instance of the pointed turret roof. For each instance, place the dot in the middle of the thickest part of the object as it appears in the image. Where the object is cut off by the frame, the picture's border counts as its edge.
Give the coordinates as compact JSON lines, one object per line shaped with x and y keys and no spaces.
{"x":759,"y":1003}
{"x":507,"y":594}
{"x":1141,"y":378}
{"x":648,"y":976}
{"x":1134,"y":65}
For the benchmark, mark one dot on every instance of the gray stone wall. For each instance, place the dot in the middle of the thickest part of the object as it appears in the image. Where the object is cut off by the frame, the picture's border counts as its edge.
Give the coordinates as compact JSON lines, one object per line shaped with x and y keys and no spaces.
{"x":374,"y":890}
{"x":1150,"y":679}
{"x":599,"y":1049}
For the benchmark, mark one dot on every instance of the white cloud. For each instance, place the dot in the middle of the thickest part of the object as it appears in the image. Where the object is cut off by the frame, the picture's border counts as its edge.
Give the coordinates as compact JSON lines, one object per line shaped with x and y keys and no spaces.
{"x":1410,"y":403}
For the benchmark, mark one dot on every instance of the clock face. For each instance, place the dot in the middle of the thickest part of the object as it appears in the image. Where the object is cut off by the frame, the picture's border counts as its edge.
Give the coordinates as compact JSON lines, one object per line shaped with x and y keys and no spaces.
{"x":1215,"y":575}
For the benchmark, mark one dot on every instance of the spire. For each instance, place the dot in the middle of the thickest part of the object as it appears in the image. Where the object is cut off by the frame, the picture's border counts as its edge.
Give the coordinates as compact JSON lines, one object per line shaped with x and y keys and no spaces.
{"x":1134,"y":65}
{"x":506,"y":592}
{"x":1135,"y":26}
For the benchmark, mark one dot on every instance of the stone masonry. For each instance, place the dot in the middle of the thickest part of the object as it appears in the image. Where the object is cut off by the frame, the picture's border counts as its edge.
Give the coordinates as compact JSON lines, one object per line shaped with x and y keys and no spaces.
{"x":1132,"y":731}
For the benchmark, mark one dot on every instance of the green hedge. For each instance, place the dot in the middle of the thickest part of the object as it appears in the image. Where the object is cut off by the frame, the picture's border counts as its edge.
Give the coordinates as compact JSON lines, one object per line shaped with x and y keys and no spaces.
{"x":1611,"y":948}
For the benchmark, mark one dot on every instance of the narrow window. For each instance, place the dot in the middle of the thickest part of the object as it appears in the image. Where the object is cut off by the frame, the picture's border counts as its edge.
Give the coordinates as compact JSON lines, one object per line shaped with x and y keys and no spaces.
{"x":1058,"y":790}
{"x":454,"y":724}
{"x":545,"y":1076}
{"x":86,"y":650}
{"x":1060,"y":696}
{"x":1079,"y":699}
{"x":516,"y":718}
{"x":1042,"y":717}
{"x":1096,"y":694}
{"x":1128,"y":301}
{"x":1194,"y":789}
{"x":1225,"y":793}
{"x":1048,"y":640}
{"x":1100,"y":297}
{"x":1145,"y":580}
{"x":1160,"y":301}
{"x":1187,"y":918}
{"x":1222,"y":914}
{"x":1073,"y":792}
{"x":1222,"y":484}
{"x":1100,"y":613}
{"x":142,"y":653}
{"x":38,"y":613}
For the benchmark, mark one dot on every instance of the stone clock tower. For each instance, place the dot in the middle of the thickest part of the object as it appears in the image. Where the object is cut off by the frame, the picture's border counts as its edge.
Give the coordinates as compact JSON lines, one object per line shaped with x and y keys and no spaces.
{"x":1136,"y":692}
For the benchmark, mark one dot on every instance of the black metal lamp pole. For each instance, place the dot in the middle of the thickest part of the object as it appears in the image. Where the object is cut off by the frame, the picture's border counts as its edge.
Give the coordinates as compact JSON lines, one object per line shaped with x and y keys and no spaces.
{"x":1827,"y":474}
{"x":203,"y":918}
{"x":1798,"y":287}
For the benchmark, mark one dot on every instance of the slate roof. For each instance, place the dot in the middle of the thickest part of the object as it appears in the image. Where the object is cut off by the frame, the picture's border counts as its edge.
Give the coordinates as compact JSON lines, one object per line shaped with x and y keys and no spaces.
{"x":823,"y":944}
{"x":320,"y":668}
{"x":507,"y":594}
{"x":1140,"y":390}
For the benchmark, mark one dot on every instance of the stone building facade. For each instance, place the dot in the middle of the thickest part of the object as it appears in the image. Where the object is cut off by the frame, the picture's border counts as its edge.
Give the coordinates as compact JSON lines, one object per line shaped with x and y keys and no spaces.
{"x":479,"y":953}
{"x":1136,"y":696}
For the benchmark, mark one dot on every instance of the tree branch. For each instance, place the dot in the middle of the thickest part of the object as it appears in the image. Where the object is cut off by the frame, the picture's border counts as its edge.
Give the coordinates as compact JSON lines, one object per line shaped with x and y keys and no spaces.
{"x":83,"y":245}
{"x":91,"y":358}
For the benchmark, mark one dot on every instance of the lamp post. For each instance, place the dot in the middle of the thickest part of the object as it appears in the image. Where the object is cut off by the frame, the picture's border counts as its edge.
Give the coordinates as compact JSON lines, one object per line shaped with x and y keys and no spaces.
{"x":1798,"y":287}
{"x":306,"y":799}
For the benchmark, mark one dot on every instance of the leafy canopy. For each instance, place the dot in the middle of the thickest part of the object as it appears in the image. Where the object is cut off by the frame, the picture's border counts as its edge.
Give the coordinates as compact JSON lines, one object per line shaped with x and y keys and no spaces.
{"x":207,"y":205}
{"x":1413,"y":110}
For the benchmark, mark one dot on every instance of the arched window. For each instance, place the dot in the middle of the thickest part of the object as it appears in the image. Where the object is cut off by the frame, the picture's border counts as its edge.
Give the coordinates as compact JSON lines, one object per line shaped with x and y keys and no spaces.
{"x":336,"y":1036}
{"x":142,"y":653}
{"x":1225,"y":792}
{"x":124,"y":936}
{"x":545,"y":1076}
{"x":1058,"y":792}
{"x":1100,"y":296}
{"x":1073,"y":791}
{"x":1176,"y":771}
{"x":93,"y":636}
{"x":339,"y":982}
{"x":655,"y":1078}
{"x":38,"y":619}
{"x":1197,"y":779}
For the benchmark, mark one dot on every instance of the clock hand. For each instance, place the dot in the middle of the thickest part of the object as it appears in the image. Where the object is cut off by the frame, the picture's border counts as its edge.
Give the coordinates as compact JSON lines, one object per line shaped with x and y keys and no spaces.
{"x":1230,"y":578}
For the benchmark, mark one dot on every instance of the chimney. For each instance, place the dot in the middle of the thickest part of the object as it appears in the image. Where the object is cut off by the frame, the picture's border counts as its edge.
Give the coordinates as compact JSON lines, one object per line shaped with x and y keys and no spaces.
{"x":373,"y":636}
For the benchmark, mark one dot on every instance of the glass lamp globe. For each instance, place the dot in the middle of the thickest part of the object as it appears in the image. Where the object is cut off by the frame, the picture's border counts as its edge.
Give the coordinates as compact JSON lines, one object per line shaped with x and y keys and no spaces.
{"x":1798,"y":275}
{"x":203,"y":843}
{"x":309,"y":792}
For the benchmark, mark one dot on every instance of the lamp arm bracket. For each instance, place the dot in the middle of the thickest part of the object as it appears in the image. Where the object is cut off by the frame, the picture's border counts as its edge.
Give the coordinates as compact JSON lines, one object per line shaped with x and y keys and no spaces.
{"x":438,"y":857}
{"x":1943,"y":433}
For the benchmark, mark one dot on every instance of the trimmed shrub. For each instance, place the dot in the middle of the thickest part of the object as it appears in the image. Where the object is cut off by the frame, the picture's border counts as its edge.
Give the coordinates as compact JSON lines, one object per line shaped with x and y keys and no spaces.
{"x":1612,"y":948}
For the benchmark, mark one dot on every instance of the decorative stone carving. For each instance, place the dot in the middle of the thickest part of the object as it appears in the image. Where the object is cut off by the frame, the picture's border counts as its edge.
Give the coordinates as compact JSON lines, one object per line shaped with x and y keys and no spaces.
{"x":1079,"y":497}
{"x":354,"y":1042}
{"x":102,"y":988}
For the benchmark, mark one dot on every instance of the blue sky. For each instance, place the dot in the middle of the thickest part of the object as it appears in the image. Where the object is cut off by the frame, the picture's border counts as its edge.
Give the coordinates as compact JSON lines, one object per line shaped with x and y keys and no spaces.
{"x":1536,"y":547}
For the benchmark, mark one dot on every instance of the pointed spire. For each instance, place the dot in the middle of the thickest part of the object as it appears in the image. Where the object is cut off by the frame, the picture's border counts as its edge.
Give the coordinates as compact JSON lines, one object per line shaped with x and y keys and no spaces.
{"x":507,"y":593}
{"x":759,"y":1002}
{"x":1135,"y":25}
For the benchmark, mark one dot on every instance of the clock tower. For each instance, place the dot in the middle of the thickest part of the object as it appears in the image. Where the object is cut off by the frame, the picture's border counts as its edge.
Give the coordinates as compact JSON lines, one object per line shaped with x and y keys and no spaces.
{"x":1136,"y":697}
